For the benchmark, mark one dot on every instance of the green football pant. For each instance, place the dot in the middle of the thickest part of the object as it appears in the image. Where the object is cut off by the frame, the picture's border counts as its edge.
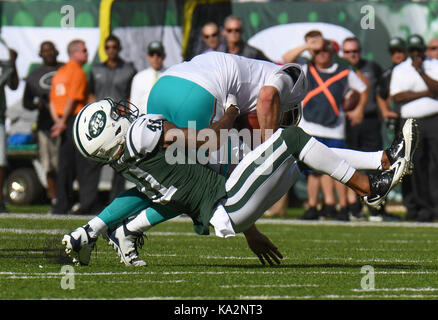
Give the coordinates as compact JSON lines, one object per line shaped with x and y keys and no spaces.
{"x":263,"y":176}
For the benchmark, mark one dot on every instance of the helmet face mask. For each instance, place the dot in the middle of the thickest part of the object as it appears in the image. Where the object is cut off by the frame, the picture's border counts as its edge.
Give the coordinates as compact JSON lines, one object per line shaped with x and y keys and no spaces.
{"x":100,"y":129}
{"x":292,"y":116}
{"x":123,"y":109}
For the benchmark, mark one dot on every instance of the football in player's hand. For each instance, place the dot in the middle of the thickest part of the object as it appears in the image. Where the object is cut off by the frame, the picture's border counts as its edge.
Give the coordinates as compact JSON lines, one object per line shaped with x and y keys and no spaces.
{"x":351,"y":99}
{"x":248,"y":121}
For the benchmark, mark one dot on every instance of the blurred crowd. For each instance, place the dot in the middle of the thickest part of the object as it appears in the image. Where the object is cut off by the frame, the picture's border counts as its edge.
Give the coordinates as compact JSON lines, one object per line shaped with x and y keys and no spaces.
{"x":351,"y":103}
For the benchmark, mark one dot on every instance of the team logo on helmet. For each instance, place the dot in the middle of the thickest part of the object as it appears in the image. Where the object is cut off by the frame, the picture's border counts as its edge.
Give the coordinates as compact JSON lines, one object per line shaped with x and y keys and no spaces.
{"x":97,"y":123}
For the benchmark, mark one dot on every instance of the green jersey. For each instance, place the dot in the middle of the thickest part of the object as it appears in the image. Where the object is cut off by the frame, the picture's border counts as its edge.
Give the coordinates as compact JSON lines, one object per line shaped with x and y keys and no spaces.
{"x":193,"y":189}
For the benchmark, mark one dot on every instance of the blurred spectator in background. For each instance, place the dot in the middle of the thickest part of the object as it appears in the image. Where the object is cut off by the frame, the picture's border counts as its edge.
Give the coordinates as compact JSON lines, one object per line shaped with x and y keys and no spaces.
{"x":36,"y":97}
{"x":390,"y":114}
{"x":211,"y":37}
{"x":143,"y":81}
{"x":414,"y":85}
{"x":9,"y":77}
{"x":68,"y":95}
{"x":432,"y":49}
{"x":366,"y":136}
{"x":324,"y":118}
{"x":313,"y":41}
{"x":233,"y":29}
{"x":112,"y":79}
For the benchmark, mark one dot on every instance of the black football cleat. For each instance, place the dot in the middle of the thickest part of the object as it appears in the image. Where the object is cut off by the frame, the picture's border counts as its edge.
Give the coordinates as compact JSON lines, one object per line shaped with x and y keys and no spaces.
{"x":383,"y":182}
{"x":404,"y":144}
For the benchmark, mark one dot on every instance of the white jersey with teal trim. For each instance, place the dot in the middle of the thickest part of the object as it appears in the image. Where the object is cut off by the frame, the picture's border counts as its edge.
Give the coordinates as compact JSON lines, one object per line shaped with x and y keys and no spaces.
{"x":222,"y":74}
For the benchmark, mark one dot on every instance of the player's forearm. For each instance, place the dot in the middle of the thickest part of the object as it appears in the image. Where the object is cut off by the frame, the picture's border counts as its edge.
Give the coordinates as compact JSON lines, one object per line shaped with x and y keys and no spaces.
{"x":227,"y":121}
{"x":213,"y":132}
{"x":268,"y":111}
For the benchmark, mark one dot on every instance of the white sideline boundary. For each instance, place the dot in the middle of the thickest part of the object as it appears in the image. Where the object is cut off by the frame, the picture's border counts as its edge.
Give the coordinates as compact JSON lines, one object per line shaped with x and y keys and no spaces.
{"x":292,"y":222}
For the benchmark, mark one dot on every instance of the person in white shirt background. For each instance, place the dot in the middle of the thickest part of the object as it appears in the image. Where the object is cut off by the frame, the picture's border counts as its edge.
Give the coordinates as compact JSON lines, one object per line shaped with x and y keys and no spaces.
{"x":414,"y":85}
{"x":432,"y":49}
{"x":144,"y":80}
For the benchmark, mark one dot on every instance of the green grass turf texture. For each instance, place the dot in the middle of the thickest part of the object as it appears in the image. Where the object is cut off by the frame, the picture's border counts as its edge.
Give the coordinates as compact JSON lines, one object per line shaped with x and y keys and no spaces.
{"x":320,"y":262}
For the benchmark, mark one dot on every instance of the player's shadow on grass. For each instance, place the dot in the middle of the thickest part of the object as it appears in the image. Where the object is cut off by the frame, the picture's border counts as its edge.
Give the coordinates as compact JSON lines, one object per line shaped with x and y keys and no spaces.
{"x":55,"y":256}
{"x":51,"y":252}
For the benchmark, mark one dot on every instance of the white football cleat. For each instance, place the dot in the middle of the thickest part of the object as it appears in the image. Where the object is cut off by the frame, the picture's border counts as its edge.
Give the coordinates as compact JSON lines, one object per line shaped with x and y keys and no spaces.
{"x":125,"y":243}
{"x":79,"y":245}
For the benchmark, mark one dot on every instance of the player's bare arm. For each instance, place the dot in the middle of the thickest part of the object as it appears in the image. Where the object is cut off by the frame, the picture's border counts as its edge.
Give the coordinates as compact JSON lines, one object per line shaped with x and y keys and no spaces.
{"x":268,"y":110}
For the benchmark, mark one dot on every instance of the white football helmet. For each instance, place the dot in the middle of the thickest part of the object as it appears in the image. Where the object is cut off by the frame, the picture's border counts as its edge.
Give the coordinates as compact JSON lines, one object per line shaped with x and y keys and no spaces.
{"x":100,"y":128}
{"x":291,"y":97}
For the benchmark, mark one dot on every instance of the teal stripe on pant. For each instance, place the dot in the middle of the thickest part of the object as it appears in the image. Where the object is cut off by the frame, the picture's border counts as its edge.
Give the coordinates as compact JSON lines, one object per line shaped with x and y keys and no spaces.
{"x":158,"y":213}
{"x":130,"y":203}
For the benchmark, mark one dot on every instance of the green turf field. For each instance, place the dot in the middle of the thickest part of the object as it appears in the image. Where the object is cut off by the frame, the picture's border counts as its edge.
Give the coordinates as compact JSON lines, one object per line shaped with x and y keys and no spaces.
{"x":323,"y":260}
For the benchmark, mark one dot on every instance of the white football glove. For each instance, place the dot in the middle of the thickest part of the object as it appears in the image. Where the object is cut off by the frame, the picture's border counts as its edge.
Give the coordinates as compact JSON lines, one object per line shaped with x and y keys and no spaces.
{"x":231,"y":101}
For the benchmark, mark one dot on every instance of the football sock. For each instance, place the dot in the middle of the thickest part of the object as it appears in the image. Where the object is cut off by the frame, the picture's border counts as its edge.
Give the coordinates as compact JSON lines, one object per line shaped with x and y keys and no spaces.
{"x":150,"y":217}
{"x":139,"y":224}
{"x":359,"y":159}
{"x":97,"y":226}
{"x":321,"y":158}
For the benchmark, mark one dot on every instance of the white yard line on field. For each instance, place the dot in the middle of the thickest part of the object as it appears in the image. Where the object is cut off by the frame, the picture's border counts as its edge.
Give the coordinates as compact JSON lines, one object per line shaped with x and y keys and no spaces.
{"x":33,"y":231}
{"x":289,"y":297}
{"x":138,"y":281}
{"x":260,"y":221}
{"x":428,"y":289}
{"x":373,"y":260}
{"x":287,"y":285}
{"x":379,"y":296}
{"x":226,"y":258}
{"x":220,"y":273}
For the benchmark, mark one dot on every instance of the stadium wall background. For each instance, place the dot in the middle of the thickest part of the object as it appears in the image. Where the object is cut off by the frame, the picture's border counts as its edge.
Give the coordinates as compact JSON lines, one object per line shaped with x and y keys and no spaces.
{"x":273,"y":26}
